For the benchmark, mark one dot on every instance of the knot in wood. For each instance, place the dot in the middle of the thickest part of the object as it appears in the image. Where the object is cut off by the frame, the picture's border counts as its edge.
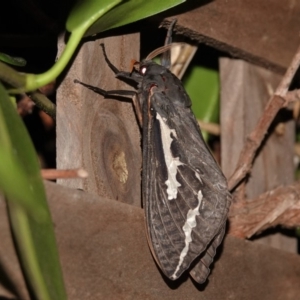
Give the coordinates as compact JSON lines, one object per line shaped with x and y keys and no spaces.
{"x":120,"y":167}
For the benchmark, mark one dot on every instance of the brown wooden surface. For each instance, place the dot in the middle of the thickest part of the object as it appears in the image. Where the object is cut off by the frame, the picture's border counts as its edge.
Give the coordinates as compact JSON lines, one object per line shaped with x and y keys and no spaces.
{"x":104,"y":255}
{"x":262,"y":32}
{"x":96,"y":134}
{"x":245,"y":89}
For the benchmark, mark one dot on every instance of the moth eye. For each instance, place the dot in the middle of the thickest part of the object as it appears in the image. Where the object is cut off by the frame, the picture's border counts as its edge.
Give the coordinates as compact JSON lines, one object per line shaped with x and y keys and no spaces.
{"x":143,"y":70}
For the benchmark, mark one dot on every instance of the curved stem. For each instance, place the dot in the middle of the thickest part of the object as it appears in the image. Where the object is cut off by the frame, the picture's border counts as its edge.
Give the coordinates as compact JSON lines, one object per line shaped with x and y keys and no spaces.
{"x":34,"y":82}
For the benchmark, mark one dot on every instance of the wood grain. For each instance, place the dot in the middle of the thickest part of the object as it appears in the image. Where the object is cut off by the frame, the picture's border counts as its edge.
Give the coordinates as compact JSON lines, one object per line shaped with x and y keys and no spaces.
{"x":265,"y":33}
{"x":104,"y":255}
{"x":245,"y":90}
{"x":96,"y":134}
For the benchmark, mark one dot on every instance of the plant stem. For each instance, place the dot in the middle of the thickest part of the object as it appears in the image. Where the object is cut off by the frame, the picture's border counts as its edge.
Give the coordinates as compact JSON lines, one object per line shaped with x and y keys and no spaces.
{"x":34,"y":82}
{"x":44,"y":104}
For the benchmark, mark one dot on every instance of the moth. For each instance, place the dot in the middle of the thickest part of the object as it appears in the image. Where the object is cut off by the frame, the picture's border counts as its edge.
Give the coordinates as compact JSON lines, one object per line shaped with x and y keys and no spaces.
{"x":185,"y":195}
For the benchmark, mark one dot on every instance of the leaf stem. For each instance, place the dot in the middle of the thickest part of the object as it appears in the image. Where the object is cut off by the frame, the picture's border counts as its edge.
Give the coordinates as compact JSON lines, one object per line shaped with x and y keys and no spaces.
{"x":23,"y":234}
{"x":34,"y":82}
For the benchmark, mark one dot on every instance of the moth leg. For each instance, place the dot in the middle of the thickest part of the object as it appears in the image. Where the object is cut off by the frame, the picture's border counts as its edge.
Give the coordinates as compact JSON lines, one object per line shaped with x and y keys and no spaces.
{"x":104,"y":93}
{"x":137,"y":109}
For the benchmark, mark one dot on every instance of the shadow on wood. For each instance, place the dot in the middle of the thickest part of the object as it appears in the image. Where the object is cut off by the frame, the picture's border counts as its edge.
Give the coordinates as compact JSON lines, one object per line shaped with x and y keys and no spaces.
{"x":104,"y":255}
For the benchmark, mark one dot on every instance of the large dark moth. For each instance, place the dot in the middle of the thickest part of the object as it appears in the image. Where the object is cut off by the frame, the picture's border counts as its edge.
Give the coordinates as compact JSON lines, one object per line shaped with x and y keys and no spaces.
{"x":185,"y":194}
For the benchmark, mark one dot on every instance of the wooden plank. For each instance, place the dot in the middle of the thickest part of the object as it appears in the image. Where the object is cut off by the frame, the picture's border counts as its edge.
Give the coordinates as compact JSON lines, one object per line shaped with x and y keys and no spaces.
{"x":245,"y":90}
{"x":100,"y":135}
{"x":262,"y":32}
{"x":104,"y":254}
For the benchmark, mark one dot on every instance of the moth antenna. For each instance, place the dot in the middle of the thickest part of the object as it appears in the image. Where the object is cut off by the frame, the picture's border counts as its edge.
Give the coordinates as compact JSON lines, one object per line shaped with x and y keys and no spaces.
{"x":166,"y":57}
{"x":162,"y":49}
{"x":113,"y":68}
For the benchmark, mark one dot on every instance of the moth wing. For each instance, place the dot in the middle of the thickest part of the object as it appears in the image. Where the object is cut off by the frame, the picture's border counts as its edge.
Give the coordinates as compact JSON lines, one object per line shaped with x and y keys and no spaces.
{"x":185,"y":193}
{"x":201,"y":270}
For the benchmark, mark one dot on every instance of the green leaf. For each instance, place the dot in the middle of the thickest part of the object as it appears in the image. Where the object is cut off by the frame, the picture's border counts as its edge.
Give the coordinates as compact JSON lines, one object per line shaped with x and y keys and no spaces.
{"x":83,"y":15}
{"x":21,"y":182}
{"x":82,"y":21}
{"x":18,"y":175}
{"x":15,"y":61}
{"x":86,"y":12}
{"x":130,"y":11}
{"x":202,"y":85}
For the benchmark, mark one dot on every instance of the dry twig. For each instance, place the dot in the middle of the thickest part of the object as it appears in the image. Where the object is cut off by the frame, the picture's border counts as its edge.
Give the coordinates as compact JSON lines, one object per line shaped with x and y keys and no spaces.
{"x":254,"y":140}
{"x":211,"y":128}
{"x":280,"y":206}
{"x":52,"y":174}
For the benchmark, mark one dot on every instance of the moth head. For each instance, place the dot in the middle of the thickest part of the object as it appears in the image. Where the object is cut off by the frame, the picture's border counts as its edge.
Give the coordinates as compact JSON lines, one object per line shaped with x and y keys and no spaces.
{"x":143,"y":70}
{"x":146,"y":67}
{"x":139,"y":67}
{"x":151,"y":69}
